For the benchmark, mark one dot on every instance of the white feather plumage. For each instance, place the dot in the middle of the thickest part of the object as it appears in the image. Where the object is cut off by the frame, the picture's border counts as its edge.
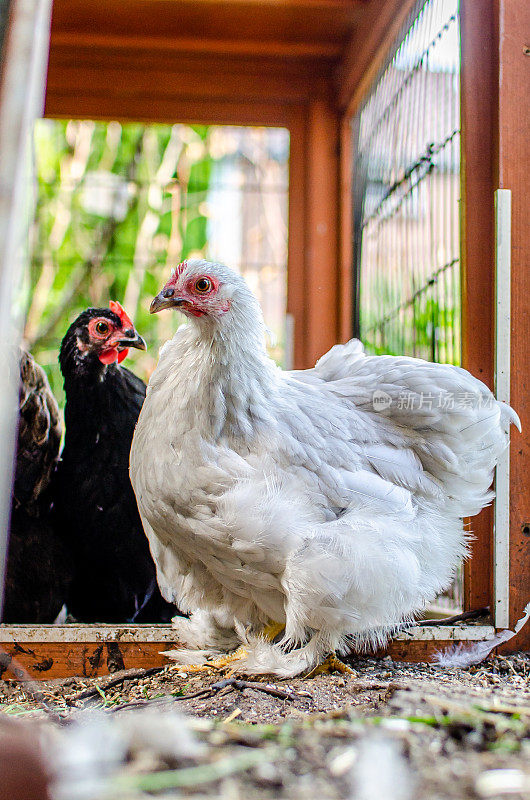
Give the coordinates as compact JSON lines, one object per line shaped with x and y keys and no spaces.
{"x":285,"y":496}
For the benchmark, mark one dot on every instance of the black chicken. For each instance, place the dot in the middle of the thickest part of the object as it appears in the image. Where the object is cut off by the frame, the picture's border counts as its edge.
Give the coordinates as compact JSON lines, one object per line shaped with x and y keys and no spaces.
{"x":95,"y":507}
{"x":38,"y":568}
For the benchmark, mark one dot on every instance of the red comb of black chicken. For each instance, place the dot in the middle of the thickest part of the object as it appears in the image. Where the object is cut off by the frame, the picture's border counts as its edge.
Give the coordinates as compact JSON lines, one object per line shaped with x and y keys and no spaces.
{"x":95,"y":507}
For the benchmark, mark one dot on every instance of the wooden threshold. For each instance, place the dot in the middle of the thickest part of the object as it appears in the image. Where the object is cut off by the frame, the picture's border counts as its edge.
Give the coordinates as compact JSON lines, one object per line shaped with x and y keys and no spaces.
{"x":62,"y":651}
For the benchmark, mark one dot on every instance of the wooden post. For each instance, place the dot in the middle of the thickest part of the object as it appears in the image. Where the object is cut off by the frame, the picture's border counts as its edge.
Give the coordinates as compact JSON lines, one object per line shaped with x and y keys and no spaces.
{"x":496,"y":154}
{"x":513,"y":147}
{"x":346,"y":233}
{"x":321,"y":244}
{"x":478,"y":113}
{"x":296,"y":305}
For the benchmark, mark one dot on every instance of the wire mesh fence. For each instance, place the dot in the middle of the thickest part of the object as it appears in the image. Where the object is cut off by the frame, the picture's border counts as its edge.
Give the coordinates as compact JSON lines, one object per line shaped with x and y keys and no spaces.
{"x":406,"y":188}
{"x":407,"y":184}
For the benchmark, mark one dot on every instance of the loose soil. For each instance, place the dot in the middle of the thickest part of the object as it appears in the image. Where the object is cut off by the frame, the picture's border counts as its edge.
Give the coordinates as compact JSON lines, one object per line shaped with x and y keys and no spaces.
{"x":445,"y":733}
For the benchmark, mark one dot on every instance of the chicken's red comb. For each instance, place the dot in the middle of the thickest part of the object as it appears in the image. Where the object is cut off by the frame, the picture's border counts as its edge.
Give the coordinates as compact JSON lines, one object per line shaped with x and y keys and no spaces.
{"x":122,"y":314}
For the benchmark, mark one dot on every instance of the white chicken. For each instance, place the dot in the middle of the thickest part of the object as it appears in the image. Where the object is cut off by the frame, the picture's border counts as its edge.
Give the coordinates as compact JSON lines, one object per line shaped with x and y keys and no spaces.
{"x":328,"y":500}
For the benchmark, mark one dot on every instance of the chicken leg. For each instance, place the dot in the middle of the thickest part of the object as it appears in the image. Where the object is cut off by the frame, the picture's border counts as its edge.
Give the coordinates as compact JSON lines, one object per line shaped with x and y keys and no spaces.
{"x":331,"y":663}
{"x":270,"y":633}
{"x":230,"y":660}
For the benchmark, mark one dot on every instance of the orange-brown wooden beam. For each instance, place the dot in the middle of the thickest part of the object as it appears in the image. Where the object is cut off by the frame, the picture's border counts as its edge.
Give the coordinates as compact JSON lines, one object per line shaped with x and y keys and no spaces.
{"x":296,"y":293}
{"x":367,"y":49}
{"x":49,"y":652}
{"x":478,"y":120}
{"x":346,"y":233}
{"x":496,"y":154}
{"x":193,"y":111}
{"x":163,"y":45}
{"x":321,"y":284}
{"x":139,"y":86}
{"x":313,"y":273}
{"x":513,"y":170}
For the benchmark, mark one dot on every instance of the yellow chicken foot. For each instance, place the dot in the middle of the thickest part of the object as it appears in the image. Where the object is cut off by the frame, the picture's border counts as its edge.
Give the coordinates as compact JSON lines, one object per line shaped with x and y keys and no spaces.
{"x":330,"y":664}
{"x":229,"y":661}
{"x":219,"y":663}
{"x":272,"y":630}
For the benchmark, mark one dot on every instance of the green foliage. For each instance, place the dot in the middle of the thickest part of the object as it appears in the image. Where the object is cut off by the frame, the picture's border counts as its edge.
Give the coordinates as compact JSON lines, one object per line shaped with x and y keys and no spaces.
{"x":117,"y":206}
{"x":428,"y":329}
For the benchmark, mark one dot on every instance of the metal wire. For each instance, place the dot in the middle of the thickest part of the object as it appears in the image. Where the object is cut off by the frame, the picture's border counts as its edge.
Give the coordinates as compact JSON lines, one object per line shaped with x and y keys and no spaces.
{"x":406,"y":193}
{"x":406,"y":188}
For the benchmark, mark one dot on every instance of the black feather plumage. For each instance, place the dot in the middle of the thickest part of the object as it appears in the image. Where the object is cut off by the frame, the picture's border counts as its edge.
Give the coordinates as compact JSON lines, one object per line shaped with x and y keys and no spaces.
{"x":38,"y":568}
{"x":95,"y":507}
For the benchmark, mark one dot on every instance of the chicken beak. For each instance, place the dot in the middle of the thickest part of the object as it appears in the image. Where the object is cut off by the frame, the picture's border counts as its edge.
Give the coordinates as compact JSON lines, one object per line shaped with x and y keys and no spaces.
{"x":134,"y":340}
{"x":165,"y":300}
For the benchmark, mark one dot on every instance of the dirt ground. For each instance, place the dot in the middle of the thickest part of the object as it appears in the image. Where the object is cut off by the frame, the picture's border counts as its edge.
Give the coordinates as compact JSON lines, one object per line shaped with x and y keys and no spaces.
{"x":388,"y":730}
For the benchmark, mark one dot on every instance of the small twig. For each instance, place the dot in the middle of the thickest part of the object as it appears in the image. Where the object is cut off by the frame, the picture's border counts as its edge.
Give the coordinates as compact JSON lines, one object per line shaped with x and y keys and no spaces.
{"x":166,"y":700}
{"x":128,"y":675}
{"x":465,"y":615}
{"x":225,"y":691}
{"x":258,"y":687}
{"x":218,"y":688}
{"x":503,"y":709}
{"x":192,"y":695}
{"x":221,"y":687}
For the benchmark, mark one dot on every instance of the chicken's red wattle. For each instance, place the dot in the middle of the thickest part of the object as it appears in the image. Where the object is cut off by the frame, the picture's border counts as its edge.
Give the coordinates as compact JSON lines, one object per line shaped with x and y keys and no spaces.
{"x":113,"y":354}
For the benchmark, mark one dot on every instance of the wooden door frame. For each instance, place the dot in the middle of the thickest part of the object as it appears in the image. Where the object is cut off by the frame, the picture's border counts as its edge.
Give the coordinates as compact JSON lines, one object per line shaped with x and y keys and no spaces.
{"x":495,"y":154}
{"x":478,"y":120}
{"x":512,"y":167}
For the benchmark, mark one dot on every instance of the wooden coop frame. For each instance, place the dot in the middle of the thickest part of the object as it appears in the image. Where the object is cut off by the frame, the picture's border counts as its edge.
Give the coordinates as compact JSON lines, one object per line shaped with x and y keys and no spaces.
{"x":306,"y":65}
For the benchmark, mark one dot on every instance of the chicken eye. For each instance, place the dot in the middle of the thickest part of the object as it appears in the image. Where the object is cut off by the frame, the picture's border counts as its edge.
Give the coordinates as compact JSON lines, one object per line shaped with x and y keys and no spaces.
{"x":203,"y":285}
{"x":102,"y":327}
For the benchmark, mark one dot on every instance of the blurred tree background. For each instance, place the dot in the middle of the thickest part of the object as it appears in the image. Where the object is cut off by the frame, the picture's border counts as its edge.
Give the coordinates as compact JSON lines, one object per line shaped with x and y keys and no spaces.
{"x":119,"y":204}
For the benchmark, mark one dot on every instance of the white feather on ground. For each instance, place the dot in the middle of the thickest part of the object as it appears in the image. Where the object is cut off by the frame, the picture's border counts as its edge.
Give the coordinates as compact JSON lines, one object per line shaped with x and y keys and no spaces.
{"x":292,"y":496}
{"x":462,"y":655}
{"x":380,"y":771}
